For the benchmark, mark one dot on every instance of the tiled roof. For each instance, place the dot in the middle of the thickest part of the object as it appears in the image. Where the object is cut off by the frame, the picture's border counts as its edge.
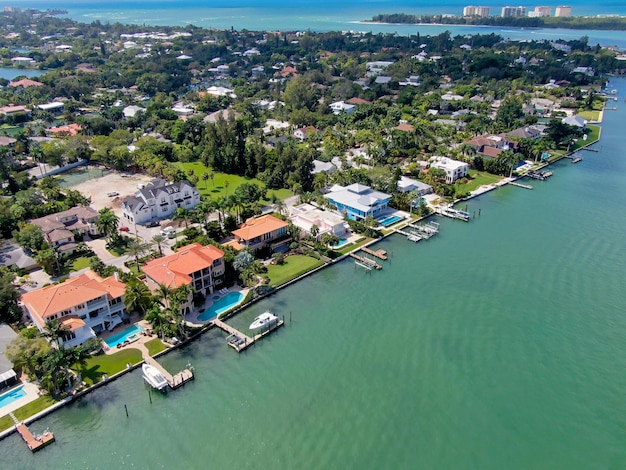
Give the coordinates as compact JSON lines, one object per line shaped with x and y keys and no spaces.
{"x":26,"y":82}
{"x":256,"y":227}
{"x":47,"y":301}
{"x":174,"y":270}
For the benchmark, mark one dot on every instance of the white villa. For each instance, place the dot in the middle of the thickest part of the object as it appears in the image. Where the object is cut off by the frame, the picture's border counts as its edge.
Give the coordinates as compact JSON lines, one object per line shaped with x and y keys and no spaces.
{"x":306,"y":216}
{"x":339,"y":107}
{"x":158,"y":200}
{"x":453,"y":168}
{"x":85,"y":305}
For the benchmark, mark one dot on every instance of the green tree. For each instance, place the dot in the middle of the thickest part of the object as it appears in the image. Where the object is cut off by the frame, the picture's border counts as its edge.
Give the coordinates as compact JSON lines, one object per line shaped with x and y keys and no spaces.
{"x":137,"y":296}
{"x":107,"y":223}
{"x":30,"y":236}
{"x":159,"y":240}
{"x":10,"y":312}
{"x":28,"y":354}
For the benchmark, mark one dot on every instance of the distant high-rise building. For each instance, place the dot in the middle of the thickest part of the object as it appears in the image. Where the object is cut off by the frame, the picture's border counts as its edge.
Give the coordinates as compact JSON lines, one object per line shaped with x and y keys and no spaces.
{"x":508,"y":12}
{"x":541,"y":11}
{"x":471,"y":10}
{"x":563,"y":11}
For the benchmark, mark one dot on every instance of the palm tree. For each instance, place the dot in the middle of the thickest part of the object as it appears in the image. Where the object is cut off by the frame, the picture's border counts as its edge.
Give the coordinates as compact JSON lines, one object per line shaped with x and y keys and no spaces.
{"x":205,"y":178}
{"x":137,"y":296}
{"x":107,"y":222}
{"x":136,"y":249}
{"x":280,"y":206}
{"x":158,"y":319}
{"x":159,"y":240}
{"x":182,"y":214}
{"x":163,"y":293}
{"x":54,"y":330}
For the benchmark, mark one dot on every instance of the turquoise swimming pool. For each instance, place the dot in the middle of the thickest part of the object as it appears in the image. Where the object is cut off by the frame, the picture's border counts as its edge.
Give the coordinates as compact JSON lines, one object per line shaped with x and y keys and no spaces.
{"x":342,"y":242}
{"x":225,"y":303}
{"x":119,"y":338}
{"x":389,"y":220}
{"x":12,"y":395}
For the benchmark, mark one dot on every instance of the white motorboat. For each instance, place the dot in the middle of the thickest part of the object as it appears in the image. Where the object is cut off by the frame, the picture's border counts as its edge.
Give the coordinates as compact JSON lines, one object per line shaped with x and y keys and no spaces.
{"x":153,"y":377}
{"x":263,"y":321}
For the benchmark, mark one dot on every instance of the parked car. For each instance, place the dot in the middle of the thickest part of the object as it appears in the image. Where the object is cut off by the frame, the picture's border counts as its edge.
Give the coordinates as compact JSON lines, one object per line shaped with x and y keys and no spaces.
{"x":168,"y":232}
{"x":124,"y":229}
{"x":152,"y":223}
{"x":113,"y":194}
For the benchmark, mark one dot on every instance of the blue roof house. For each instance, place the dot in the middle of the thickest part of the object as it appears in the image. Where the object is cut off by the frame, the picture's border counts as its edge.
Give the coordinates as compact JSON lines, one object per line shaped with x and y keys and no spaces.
{"x":357,"y":201}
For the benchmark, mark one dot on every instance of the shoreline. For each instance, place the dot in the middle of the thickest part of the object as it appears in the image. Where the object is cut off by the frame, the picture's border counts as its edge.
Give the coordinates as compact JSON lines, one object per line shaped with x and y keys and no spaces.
{"x":209,"y":326}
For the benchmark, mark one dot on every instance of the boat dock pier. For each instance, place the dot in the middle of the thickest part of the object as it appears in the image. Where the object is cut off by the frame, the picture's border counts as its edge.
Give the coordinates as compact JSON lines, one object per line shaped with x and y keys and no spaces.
{"x":33,"y":442}
{"x":426,"y":230}
{"x":520,"y":185}
{"x":240,"y":341}
{"x":365,"y":262}
{"x":453,"y":213}
{"x":381,"y":254}
{"x":174,"y":381}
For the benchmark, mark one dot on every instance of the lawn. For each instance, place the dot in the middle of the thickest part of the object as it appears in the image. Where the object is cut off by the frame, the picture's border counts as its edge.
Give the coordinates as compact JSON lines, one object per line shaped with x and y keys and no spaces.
{"x":293,"y":267}
{"x":477,"y":179}
{"x":97,"y":366}
{"x":589,"y":115}
{"x":593,"y":135}
{"x":155,"y":346}
{"x":216,"y":187}
{"x":27,"y":411}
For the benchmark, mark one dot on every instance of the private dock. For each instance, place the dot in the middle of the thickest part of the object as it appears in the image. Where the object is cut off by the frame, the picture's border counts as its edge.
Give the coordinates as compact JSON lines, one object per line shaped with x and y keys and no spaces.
{"x":174,"y":381}
{"x":33,"y":442}
{"x":380,"y":254}
{"x":366,"y":261}
{"x":238,"y":340}
{"x":453,"y":213}
{"x":426,"y":230}
{"x":520,"y":185}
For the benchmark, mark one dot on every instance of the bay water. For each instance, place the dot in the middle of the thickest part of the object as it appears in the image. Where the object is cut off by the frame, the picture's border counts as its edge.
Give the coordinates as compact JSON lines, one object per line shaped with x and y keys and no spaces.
{"x":499,"y":343}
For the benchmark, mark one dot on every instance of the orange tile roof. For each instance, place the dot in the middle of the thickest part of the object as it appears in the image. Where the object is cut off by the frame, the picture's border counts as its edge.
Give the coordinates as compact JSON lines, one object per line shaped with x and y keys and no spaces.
{"x":405,"y":127}
{"x":256,"y":227}
{"x":234,"y":244}
{"x":26,"y":82}
{"x":71,"y":129}
{"x":44,"y":302}
{"x":174,"y":270}
{"x":72,"y":322}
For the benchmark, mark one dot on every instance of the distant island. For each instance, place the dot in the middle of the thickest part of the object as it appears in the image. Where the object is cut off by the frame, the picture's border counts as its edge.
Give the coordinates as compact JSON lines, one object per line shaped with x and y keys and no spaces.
{"x":614,"y":23}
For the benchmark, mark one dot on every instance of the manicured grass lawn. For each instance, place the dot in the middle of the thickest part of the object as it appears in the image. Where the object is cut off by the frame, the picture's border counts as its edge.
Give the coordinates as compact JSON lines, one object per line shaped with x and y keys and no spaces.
{"x":593,"y":135}
{"x":155,"y":346}
{"x":589,"y":115}
{"x":80,"y":263}
{"x":216,"y":187}
{"x":108,"y":364}
{"x":294,"y":266}
{"x":27,"y":411}
{"x":478,"y":178}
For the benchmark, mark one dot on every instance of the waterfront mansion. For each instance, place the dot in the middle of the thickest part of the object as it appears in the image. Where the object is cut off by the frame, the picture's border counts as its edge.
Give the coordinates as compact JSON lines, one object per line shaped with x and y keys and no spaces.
{"x":159,"y":200}
{"x":84,"y":305}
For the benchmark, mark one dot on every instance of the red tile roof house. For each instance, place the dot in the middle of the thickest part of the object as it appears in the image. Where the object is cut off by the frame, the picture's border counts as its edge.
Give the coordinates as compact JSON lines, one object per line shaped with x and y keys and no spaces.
{"x":258,"y":233}
{"x":86,"y":305}
{"x":195,"y":265}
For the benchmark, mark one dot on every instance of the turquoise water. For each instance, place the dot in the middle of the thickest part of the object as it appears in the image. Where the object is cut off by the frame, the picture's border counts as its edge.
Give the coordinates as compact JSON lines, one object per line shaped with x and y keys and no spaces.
{"x":322,"y":15}
{"x":122,"y":336}
{"x":222,"y":305}
{"x":342,"y":242}
{"x":10,"y":73}
{"x":9,"y":397}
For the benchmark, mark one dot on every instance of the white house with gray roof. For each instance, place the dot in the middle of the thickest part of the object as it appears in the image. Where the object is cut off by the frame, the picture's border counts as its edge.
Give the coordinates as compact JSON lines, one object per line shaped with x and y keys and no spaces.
{"x":159,"y":200}
{"x":358,"y":201}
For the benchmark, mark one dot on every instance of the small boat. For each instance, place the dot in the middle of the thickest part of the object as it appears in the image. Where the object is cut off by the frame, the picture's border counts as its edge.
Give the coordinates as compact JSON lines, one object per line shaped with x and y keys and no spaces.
{"x":153,"y":377}
{"x":577,"y":159}
{"x":263,"y":321}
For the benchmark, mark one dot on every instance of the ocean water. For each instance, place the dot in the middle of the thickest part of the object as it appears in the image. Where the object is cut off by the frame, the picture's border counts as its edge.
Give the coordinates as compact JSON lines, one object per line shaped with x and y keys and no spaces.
{"x":322,"y":15}
{"x":498,"y":344}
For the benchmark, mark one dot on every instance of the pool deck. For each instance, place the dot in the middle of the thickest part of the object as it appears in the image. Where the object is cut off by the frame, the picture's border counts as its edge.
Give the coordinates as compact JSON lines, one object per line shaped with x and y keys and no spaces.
{"x":32,"y":393}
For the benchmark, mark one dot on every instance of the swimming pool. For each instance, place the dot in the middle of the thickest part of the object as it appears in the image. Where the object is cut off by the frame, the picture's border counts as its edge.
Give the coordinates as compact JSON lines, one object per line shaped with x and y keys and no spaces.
{"x":12,"y":395}
{"x":389,"y":220}
{"x":122,"y":336}
{"x":342,"y":242}
{"x":225,"y":303}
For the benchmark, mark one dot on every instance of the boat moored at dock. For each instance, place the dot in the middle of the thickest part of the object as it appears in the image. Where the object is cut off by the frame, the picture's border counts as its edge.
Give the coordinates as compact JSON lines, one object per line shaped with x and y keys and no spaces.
{"x":154,"y":377}
{"x":263,"y":321}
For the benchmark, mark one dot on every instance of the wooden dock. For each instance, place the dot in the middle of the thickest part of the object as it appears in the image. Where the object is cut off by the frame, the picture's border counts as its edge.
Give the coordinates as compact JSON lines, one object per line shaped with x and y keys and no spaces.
{"x":174,"y":381}
{"x":33,"y":442}
{"x":380,"y":254}
{"x":367,"y":261}
{"x":241,"y":341}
